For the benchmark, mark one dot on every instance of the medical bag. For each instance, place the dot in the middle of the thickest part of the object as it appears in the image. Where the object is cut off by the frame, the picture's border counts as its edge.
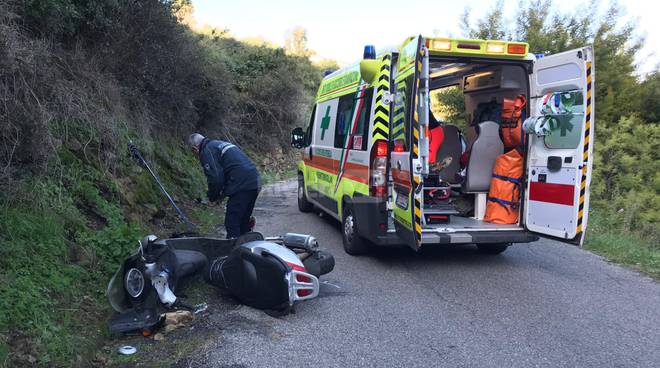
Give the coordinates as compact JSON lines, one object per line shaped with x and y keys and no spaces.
{"x":503,"y":202}
{"x":511,"y":125}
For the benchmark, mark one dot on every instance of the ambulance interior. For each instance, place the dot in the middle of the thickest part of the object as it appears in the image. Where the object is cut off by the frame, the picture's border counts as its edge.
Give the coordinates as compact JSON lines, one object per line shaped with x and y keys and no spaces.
{"x":464,"y":145}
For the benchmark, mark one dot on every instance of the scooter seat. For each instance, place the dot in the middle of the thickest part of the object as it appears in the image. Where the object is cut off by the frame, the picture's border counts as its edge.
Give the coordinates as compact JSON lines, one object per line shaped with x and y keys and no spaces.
{"x":257,"y":280}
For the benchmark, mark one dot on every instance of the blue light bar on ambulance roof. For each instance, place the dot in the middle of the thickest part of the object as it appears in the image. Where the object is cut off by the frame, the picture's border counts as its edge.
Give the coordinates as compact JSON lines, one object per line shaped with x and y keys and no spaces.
{"x":369,"y":52}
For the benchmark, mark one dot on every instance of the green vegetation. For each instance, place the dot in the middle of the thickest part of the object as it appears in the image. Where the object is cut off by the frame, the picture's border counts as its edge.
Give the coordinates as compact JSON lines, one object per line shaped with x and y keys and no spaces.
{"x":630,"y":248}
{"x":625,"y":201}
{"x":78,"y":80}
{"x":449,"y":106}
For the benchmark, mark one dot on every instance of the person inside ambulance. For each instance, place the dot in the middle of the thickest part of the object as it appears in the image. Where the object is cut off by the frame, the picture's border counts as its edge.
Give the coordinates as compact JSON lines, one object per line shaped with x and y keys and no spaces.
{"x":230,"y":173}
{"x":445,"y":150}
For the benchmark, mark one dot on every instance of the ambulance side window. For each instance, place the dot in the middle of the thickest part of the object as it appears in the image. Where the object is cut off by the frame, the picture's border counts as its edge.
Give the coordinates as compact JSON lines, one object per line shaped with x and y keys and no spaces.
{"x":350,"y":106}
{"x":361,"y":135}
{"x":310,"y":128}
{"x":402,"y":117}
{"x":343,"y":122}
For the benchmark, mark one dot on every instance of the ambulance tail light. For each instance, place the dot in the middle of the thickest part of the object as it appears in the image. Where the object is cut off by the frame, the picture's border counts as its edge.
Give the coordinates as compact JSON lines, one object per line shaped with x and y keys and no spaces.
{"x":378,"y":176}
{"x":517,"y":48}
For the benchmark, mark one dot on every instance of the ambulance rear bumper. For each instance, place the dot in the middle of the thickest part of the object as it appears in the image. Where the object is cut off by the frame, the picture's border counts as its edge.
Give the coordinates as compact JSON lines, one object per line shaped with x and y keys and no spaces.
{"x":390,"y":239}
{"x":479,"y":237}
{"x":371,"y":218}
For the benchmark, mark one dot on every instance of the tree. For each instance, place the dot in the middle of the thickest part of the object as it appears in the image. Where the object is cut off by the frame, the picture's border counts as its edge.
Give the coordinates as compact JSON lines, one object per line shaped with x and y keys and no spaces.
{"x":549,"y":31}
{"x":296,"y":42}
{"x":649,"y":99}
{"x":183,"y":11}
{"x":490,"y":27}
{"x":448,"y":105}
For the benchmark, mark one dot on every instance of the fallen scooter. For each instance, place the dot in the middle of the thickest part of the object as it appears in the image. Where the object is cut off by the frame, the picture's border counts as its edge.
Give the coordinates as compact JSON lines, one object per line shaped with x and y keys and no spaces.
{"x":271,"y":274}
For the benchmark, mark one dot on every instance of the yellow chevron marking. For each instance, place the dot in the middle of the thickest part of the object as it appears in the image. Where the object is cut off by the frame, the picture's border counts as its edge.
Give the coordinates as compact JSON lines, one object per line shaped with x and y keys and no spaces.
{"x":383,"y":85}
{"x":585,"y":155}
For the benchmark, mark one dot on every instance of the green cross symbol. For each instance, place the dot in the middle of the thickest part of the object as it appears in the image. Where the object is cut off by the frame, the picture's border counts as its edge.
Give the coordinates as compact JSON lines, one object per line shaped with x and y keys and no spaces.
{"x":562,"y":124}
{"x":325,"y":122}
{"x":565,"y":127}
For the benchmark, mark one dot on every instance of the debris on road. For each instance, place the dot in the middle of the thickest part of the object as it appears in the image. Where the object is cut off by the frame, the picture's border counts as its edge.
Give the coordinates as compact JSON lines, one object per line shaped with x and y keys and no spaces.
{"x":200,"y":308}
{"x":174,"y":320}
{"x":178,"y":318}
{"x":127,"y":350}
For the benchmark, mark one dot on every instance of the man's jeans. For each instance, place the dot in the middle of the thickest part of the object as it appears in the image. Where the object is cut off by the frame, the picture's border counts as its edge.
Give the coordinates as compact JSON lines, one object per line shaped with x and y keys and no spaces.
{"x":239,"y":211}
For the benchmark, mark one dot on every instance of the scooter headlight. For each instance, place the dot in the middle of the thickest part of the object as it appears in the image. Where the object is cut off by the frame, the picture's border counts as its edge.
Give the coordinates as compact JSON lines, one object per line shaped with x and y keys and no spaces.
{"x":134,"y":282}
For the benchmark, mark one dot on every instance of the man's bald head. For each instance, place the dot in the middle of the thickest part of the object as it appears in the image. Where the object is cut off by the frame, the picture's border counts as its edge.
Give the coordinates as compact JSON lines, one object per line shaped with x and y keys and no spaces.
{"x":195,"y":140}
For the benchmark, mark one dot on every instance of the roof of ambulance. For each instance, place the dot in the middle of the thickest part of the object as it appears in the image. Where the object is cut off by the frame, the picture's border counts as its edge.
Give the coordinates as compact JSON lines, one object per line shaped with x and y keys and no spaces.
{"x":391,"y":49}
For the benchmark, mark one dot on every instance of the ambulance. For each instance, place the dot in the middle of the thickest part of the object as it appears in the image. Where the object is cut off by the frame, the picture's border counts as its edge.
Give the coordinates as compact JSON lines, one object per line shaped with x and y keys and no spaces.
{"x":380,"y":156}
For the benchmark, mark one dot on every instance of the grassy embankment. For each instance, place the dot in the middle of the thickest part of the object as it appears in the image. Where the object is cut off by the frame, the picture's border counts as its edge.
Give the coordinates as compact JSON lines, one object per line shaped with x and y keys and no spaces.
{"x":77,"y":81}
{"x":59,"y":250}
{"x":638,"y":251}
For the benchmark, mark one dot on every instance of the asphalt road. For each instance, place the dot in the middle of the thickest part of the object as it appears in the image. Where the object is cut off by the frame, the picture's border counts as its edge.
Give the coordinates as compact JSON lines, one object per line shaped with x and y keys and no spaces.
{"x":542,"y":304}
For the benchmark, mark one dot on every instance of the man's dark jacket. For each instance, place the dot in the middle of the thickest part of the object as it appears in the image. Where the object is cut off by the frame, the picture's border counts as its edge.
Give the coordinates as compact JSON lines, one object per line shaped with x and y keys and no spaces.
{"x":228,"y":170}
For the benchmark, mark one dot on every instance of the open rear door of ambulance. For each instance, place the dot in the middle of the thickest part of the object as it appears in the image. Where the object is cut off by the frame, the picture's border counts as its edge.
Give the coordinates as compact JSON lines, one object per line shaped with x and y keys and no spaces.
{"x":405,"y":145}
{"x":560,"y":156}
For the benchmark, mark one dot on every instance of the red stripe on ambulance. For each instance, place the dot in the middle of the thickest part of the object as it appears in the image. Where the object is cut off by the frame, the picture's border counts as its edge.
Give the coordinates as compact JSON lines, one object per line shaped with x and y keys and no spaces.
{"x":563,"y":194}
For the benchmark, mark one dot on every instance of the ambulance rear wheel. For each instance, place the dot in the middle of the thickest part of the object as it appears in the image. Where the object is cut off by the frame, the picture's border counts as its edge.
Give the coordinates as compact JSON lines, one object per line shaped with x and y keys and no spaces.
{"x":354,"y":244}
{"x":493,"y":248}
{"x":303,"y":204}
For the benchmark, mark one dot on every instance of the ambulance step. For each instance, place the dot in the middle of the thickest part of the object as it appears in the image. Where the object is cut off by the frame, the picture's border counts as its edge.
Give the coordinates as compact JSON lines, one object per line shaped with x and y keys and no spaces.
{"x":445,"y":209}
{"x":439,"y":214}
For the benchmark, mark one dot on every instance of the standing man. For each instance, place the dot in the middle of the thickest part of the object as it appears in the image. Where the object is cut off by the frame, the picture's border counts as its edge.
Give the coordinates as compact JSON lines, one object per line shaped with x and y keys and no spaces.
{"x":230,"y":173}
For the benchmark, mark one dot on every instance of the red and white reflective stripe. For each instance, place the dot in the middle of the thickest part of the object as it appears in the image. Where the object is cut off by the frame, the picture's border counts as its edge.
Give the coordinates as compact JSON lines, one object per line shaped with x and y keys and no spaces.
{"x":563,"y":194}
